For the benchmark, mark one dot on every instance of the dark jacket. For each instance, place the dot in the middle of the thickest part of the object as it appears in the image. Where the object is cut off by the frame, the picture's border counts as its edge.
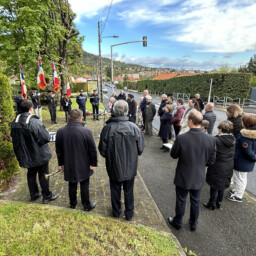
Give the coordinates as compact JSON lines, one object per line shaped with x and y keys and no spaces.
{"x":132,"y":108}
{"x":161,"y":107}
{"x":201,"y":104}
{"x":95,"y":99}
{"x":237,"y":125}
{"x":220,"y":173}
{"x":52,"y":102}
{"x":150,"y":111}
{"x":121,"y":97}
{"x":143,"y":104}
{"x":245,"y":154}
{"x":195,"y":150}
{"x":30,"y":141}
{"x":121,"y":142}
{"x":76,"y":150}
{"x":178,"y":115}
{"x":81,"y":100}
{"x":66,"y":104}
{"x":211,"y":118}
{"x":165,"y":127}
{"x":35,"y":100}
{"x":18,"y":100}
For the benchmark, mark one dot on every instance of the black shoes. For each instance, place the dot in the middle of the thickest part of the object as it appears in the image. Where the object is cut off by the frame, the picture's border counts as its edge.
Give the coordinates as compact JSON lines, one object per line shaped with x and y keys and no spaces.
{"x":218,"y":205}
{"x":163,"y":147}
{"x":55,"y":122}
{"x":192,"y":228}
{"x":170,"y":220}
{"x":52,"y":198}
{"x":91,"y":207}
{"x":35,"y":197}
{"x":209,"y":206}
{"x":72,"y":206}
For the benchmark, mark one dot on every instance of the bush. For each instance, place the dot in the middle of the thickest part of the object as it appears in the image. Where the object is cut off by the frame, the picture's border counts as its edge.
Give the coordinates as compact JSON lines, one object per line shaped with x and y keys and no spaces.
{"x":234,"y":85}
{"x":8,"y":162}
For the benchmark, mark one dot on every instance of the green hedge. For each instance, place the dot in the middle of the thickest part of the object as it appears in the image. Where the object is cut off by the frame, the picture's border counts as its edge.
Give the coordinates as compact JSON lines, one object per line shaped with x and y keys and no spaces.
{"x":8,"y":162}
{"x":234,"y":85}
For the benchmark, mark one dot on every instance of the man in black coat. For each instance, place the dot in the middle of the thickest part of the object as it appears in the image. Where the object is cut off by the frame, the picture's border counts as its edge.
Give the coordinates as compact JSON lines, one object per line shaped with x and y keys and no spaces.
{"x":143,"y":105}
{"x":120,"y":144}
{"x":77,"y":157}
{"x":18,"y":99}
{"x":195,"y":150}
{"x":66,"y":104}
{"x":132,"y":108}
{"x":30,"y":139}
{"x":81,"y":101}
{"x":210,"y":116}
{"x":35,"y":97}
{"x":121,"y":96}
{"x":200,"y":102}
{"x":52,"y":106}
{"x":95,"y":100}
{"x":162,"y":105}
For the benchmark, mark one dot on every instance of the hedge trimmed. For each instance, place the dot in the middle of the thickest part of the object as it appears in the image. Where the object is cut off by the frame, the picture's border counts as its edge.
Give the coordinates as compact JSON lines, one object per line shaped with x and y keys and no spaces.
{"x":8,"y":162}
{"x":234,"y":85}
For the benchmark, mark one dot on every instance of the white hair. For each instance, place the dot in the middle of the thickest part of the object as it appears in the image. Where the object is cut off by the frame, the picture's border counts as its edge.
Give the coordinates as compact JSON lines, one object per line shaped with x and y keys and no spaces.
{"x":148,"y":97}
{"x":164,"y":96}
{"x":121,"y":108}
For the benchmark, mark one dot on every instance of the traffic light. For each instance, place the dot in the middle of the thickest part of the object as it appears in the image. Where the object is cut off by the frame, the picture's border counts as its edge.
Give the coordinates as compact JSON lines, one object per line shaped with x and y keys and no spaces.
{"x":144,"y":39}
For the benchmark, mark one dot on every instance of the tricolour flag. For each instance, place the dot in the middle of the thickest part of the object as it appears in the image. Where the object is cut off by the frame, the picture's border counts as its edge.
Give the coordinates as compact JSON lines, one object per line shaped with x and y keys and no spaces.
{"x":55,"y":78}
{"x":68,"y":88}
{"x":22,"y":83}
{"x":40,"y":75}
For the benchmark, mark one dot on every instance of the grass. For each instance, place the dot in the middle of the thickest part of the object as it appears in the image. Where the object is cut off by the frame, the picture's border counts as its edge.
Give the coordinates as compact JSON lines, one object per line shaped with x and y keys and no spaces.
{"x":31,"y":229}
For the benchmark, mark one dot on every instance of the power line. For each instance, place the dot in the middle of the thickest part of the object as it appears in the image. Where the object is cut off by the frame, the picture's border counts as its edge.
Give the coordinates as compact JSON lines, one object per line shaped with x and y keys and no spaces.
{"x":106,"y":20}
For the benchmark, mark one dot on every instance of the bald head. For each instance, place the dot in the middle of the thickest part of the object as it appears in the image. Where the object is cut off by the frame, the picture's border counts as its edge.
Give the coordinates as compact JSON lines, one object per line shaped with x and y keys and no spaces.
{"x":145,"y":92}
{"x":197,"y":96}
{"x":209,"y":106}
{"x":195,"y":119}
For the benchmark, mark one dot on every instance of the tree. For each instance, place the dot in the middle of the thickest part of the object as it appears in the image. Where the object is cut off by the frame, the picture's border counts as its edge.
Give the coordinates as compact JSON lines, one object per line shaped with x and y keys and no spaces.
{"x":108,"y":71}
{"x":252,"y":65}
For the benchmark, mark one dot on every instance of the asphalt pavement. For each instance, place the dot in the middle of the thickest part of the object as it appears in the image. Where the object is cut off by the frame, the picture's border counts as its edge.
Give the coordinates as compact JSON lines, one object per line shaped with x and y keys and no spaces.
{"x":221,"y":115}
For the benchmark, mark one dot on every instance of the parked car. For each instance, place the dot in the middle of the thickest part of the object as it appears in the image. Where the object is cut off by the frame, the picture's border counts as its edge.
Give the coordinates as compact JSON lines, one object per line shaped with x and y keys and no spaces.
{"x":105,"y":90}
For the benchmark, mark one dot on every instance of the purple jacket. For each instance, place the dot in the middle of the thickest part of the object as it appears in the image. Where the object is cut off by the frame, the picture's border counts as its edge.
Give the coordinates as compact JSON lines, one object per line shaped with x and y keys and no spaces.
{"x":178,"y":115}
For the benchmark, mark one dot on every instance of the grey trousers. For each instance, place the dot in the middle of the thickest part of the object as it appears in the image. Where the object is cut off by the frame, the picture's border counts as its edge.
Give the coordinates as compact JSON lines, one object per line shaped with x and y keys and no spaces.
{"x":148,"y":128}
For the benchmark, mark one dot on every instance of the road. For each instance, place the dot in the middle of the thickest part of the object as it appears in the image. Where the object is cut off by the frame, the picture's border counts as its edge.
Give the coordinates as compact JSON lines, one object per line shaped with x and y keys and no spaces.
{"x":221,"y":115}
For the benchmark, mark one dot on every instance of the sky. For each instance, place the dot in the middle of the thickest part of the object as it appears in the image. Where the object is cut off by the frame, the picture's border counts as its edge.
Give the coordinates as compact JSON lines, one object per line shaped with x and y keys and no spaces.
{"x":188,"y":34}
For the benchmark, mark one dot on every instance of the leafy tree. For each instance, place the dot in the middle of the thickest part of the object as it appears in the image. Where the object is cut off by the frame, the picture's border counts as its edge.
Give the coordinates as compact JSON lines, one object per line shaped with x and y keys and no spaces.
{"x":108,"y":71}
{"x":252,"y":65}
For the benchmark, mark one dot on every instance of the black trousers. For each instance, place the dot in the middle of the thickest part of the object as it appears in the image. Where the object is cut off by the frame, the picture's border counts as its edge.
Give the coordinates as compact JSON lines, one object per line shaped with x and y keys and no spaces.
{"x":177,"y":130}
{"x":67,"y":113}
{"x":84,"y":112}
{"x":144,"y":119}
{"x":84,"y":191}
{"x":95,"y":110}
{"x":216,"y":196}
{"x":181,"y":196}
{"x":32,"y":183}
{"x":115,"y":189}
{"x":53,"y":114}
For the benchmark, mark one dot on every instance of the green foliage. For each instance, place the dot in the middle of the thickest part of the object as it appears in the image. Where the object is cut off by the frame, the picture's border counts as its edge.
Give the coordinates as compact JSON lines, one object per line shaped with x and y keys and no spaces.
{"x":42,"y":230}
{"x":234,"y":85}
{"x":8,"y":162}
{"x":76,"y":87}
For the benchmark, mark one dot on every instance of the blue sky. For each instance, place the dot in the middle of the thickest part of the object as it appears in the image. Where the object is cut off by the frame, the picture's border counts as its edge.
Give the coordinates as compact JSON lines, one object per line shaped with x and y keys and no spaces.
{"x":199,"y":34}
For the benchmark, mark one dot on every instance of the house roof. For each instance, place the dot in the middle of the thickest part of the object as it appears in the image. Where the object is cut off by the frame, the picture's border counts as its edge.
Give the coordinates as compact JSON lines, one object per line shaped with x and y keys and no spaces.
{"x":133,"y":79}
{"x":165,"y":76}
{"x":87,"y":76}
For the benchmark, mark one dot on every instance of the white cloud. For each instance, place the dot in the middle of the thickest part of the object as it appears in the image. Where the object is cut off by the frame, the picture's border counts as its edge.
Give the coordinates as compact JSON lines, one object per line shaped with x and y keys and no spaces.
{"x":208,"y":25}
{"x":89,"y":8}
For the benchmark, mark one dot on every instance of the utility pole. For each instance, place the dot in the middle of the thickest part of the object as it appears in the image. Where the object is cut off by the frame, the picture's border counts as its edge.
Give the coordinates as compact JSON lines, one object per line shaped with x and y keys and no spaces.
{"x":100,"y":63}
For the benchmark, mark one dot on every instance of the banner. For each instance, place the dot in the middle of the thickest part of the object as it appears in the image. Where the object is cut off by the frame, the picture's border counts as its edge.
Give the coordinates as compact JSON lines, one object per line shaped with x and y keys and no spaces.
{"x":40,"y":75}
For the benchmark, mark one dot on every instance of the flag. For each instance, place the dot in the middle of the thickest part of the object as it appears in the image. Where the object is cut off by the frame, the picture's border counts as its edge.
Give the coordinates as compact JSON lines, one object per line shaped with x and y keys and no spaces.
{"x":40,"y":75}
{"x":68,"y":88}
{"x":22,"y":83}
{"x":55,"y":78}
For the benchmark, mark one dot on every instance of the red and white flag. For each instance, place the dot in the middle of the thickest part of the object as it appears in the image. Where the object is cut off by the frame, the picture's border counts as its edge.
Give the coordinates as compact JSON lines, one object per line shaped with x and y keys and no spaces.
{"x":55,"y":78}
{"x":22,"y":83}
{"x":40,"y":75}
{"x":68,"y":88}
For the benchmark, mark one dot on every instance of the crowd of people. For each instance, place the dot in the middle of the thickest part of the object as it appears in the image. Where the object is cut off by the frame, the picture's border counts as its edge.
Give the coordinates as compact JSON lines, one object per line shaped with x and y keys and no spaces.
{"x":229,"y":156}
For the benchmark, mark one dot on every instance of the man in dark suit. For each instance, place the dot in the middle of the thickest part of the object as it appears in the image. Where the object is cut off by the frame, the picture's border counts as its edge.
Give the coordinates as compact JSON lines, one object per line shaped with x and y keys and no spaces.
{"x":81,"y":101}
{"x":95,"y":101}
{"x":132,"y":108}
{"x":18,"y":99}
{"x":195,"y":150}
{"x":210,"y":116}
{"x":77,"y":157}
{"x":200,"y":102}
{"x":52,"y":106}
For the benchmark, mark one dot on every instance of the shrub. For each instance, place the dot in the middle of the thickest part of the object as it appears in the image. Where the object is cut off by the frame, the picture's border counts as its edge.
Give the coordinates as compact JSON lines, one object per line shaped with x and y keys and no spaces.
{"x":8,"y":162}
{"x":234,"y":85}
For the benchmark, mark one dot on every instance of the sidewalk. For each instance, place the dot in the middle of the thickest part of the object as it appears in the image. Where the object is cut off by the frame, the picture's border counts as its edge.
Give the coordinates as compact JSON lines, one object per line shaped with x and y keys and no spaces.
{"x":146,"y":211}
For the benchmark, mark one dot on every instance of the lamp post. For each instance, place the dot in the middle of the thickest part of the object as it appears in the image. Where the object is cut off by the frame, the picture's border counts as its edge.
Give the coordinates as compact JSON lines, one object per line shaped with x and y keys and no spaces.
{"x":100,"y":60}
{"x":210,"y":91}
{"x":144,"y":41}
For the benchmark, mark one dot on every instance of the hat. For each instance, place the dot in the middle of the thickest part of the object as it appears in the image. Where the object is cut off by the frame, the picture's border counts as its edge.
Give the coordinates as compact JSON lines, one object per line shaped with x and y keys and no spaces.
{"x":65,"y":94}
{"x":131,"y":96}
{"x":33,"y":88}
{"x":95,"y":90}
{"x":19,"y":92}
{"x":81,"y":90}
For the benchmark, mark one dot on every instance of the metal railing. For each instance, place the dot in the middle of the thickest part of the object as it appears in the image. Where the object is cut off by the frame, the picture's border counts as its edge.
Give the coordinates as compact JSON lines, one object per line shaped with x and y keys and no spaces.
{"x":229,"y":101}
{"x":249,"y":104}
{"x":219,"y":101}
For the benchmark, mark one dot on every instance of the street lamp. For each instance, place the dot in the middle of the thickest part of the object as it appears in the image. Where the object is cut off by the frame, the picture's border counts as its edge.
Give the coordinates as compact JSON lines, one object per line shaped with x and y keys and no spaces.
{"x":100,"y":60}
{"x":144,"y":41}
{"x":210,"y":91}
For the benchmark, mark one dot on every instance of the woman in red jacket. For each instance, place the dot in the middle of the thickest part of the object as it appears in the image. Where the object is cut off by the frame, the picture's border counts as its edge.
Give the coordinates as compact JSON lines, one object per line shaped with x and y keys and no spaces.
{"x":178,"y":116}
